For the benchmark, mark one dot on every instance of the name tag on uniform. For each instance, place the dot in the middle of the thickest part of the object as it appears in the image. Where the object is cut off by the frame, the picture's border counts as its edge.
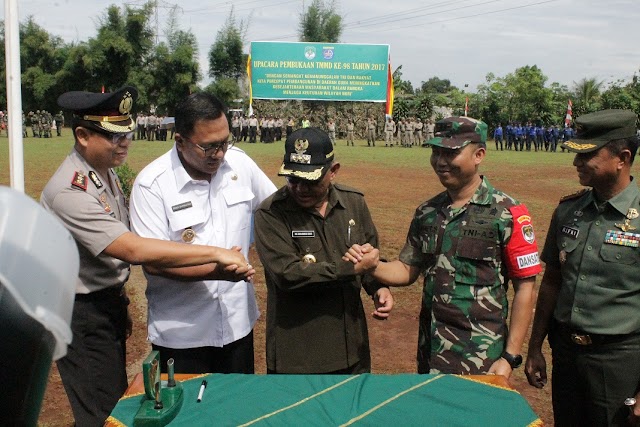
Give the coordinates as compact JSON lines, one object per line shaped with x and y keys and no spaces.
{"x":181,"y":206}
{"x":303,"y":233}
{"x":570,"y":231}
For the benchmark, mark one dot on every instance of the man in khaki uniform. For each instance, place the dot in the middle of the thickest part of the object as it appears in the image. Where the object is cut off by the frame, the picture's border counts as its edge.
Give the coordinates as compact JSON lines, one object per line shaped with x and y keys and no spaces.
{"x":389,"y":129}
{"x":417,"y":129}
{"x":351,"y":130}
{"x":371,"y":132}
{"x":409,"y":129}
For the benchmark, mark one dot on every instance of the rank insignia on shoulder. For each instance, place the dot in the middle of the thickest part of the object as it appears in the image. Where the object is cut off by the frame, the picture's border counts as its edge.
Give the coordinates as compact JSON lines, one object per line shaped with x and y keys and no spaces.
{"x":188,"y":235}
{"x":94,"y":177}
{"x":79,"y":180}
{"x":574,"y":195}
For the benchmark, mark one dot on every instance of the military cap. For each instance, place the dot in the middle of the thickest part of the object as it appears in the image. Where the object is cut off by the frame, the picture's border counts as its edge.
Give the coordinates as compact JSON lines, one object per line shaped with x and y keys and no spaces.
{"x":595,"y":130}
{"x":107,"y":111}
{"x":456,"y":132}
{"x":307,"y":153}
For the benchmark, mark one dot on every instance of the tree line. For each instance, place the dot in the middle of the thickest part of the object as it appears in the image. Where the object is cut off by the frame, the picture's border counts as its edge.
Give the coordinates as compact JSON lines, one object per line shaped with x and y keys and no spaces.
{"x":124,"y":51}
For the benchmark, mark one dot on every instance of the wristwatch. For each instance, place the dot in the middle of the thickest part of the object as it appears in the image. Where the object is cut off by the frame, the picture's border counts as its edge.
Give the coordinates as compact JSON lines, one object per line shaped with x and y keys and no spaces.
{"x":514,"y":360}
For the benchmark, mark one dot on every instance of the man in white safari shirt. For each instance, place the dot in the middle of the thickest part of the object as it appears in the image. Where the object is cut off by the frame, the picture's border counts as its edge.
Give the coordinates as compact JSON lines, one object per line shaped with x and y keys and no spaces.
{"x":203,"y":191}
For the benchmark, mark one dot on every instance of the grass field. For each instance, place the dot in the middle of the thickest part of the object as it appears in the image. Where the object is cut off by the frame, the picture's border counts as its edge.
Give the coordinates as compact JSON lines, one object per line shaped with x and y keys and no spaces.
{"x":395,"y":181}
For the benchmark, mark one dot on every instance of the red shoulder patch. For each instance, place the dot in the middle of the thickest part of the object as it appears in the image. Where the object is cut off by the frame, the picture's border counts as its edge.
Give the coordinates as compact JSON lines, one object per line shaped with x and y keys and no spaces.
{"x":79,"y":180}
{"x":521,"y":253}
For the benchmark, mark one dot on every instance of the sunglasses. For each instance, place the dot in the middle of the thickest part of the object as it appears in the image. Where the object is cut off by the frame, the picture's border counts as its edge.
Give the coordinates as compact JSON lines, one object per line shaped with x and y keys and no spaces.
{"x":116,"y":137}
{"x":294,"y":180}
{"x":212,"y":149}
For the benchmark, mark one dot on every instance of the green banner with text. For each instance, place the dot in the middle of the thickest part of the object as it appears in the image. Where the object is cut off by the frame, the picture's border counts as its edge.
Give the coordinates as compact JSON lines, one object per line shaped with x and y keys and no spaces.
{"x":319,"y":71}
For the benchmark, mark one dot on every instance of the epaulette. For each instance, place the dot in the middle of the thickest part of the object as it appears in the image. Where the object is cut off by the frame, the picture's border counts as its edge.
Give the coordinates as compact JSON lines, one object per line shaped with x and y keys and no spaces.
{"x":343,"y":187}
{"x":575,"y":195}
{"x":79,"y":180}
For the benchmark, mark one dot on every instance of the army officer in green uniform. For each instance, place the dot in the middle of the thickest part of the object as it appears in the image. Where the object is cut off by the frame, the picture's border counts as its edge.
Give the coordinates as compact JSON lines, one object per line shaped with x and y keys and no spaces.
{"x":589,"y":299}
{"x":315,"y":318}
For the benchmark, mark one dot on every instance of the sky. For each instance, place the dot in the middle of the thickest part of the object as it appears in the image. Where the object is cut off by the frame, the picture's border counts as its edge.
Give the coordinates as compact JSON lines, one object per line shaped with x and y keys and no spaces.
{"x":462,"y":41}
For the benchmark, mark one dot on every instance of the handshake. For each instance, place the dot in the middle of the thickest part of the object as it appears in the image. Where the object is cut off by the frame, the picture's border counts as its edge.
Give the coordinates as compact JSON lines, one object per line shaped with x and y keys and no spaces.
{"x":365,"y":257}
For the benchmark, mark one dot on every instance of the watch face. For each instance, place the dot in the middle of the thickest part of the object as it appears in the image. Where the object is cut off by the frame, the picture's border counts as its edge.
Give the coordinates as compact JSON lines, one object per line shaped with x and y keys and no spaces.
{"x":517,"y":361}
{"x":514,"y":361}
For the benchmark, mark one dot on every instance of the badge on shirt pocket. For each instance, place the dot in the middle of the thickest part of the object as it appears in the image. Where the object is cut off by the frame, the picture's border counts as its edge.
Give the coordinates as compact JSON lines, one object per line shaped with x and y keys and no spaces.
{"x":188,"y":235}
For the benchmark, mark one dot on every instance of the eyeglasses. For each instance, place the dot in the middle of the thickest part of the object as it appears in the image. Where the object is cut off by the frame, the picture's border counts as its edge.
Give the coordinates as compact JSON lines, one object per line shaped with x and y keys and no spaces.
{"x":214,"y":148}
{"x":294,"y":180}
{"x":117,"y":137}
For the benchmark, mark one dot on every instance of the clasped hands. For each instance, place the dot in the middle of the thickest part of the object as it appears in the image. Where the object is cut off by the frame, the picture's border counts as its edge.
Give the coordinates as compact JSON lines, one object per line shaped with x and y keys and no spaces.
{"x":233,"y":266}
{"x":366,"y":258}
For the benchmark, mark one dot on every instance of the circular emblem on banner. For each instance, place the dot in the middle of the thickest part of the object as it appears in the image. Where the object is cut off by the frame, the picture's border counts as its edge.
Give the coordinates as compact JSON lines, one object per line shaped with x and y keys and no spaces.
{"x":309,"y":52}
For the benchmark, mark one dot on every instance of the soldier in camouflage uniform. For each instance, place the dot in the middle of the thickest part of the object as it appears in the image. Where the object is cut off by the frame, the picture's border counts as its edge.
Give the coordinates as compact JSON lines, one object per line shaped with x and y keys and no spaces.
{"x":59,"y":118}
{"x":45,"y":123}
{"x":35,"y":123}
{"x":468,"y":242}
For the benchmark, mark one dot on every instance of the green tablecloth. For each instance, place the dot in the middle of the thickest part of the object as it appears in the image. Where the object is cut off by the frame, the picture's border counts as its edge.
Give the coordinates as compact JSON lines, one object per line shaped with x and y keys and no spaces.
{"x":334,"y":400}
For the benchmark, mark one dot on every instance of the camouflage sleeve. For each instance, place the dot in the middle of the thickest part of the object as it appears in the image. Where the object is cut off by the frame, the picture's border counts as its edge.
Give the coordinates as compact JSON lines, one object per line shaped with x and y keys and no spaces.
{"x":411,"y":253}
{"x":521,"y":251}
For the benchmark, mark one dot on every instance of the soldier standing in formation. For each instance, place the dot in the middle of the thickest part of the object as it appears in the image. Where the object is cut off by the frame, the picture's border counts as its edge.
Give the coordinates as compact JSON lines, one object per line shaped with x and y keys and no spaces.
{"x":253,"y":129}
{"x":389,"y":129}
{"x":418,"y":132}
{"x":371,"y":132}
{"x":351,"y":130}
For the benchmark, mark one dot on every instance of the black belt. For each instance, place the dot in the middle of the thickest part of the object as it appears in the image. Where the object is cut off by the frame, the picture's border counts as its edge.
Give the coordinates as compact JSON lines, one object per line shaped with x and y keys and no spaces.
{"x":112,"y":291}
{"x":582,"y":338}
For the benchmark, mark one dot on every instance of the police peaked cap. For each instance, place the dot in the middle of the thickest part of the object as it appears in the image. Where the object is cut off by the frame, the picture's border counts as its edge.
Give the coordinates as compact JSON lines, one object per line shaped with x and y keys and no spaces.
{"x":110,"y":111}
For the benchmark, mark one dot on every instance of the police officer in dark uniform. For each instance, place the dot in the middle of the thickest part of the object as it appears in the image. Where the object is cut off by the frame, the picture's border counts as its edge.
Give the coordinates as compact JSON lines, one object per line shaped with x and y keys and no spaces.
{"x":589,"y":299}
{"x":86,"y":195}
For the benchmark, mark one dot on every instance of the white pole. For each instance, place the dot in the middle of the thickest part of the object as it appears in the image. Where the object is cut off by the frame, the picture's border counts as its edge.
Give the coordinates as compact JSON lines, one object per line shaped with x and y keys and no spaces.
{"x":14,"y":96}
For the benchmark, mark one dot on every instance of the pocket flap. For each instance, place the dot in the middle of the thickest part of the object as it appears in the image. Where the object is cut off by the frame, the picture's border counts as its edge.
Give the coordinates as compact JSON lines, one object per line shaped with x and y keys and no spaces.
{"x":235,"y":195}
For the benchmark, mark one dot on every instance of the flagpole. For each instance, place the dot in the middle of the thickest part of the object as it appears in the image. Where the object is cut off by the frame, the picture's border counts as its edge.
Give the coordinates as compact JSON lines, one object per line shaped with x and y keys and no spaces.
{"x":14,"y":95}
{"x":569,"y":116}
